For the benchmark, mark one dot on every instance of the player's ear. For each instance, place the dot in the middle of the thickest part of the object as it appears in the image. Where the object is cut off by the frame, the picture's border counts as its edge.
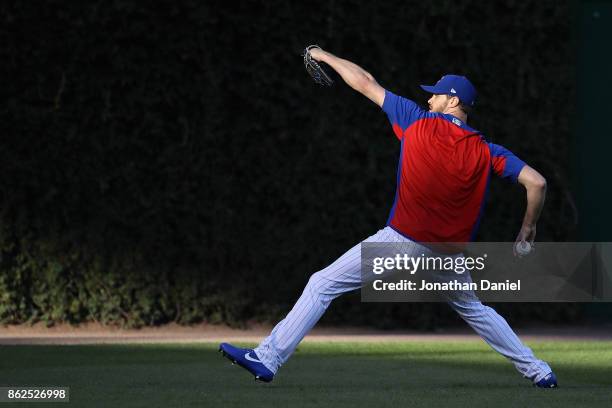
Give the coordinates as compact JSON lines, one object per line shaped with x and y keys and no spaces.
{"x":454,"y":102}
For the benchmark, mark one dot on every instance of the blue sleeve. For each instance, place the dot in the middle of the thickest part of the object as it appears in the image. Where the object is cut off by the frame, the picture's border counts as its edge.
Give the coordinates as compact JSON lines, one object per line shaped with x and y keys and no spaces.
{"x":505,"y":164}
{"x":401,"y":112}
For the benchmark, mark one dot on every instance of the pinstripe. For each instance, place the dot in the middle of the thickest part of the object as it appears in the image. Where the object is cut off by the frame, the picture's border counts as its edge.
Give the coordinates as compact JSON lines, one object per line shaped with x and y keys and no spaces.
{"x":316,"y":289}
{"x":344,"y":275}
{"x":495,"y":331}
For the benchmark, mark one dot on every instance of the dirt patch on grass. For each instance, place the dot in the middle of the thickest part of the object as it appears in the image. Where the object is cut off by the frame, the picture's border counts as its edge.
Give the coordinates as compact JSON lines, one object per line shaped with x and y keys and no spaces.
{"x":205,"y":333}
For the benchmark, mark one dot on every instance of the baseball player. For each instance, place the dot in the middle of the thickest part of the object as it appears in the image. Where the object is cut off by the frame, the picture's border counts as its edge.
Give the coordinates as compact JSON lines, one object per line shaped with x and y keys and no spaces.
{"x":442,"y":178}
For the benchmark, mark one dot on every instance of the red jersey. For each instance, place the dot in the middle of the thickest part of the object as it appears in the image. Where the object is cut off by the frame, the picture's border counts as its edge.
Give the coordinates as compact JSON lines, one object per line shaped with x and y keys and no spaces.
{"x":443,"y":173}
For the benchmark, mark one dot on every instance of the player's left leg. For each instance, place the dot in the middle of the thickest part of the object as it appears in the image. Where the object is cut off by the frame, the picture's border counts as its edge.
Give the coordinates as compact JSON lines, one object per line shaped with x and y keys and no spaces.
{"x":341,"y":276}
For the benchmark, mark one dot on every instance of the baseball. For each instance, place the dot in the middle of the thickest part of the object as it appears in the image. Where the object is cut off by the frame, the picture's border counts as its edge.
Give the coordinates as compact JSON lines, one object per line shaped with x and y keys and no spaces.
{"x":523,"y":248}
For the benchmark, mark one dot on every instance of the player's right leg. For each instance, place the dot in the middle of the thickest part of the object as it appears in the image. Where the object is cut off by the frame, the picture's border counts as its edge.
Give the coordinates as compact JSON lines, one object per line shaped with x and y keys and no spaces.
{"x":342,"y":276}
{"x":497,"y":333}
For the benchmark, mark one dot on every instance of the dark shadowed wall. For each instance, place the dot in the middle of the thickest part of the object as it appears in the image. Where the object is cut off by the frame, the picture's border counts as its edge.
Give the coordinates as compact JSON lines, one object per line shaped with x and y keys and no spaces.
{"x":174,"y":162}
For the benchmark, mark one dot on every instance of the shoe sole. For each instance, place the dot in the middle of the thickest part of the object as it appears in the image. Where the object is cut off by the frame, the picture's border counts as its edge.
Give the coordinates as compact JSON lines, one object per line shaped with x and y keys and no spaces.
{"x":234,"y":362}
{"x":546,"y":388}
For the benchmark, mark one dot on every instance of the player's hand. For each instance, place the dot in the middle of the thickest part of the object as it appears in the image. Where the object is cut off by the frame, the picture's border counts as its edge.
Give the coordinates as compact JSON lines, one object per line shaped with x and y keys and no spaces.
{"x":316,"y":53}
{"x":313,"y":54}
{"x":527,"y":234}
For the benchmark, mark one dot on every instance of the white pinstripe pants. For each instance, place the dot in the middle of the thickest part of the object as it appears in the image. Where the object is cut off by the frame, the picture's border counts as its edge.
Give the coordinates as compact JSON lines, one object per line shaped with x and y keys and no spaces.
{"x":344,"y":275}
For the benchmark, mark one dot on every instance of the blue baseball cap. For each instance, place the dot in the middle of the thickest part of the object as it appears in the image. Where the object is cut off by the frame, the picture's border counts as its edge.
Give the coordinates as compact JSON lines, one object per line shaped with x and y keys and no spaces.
{"x":456,"y":85}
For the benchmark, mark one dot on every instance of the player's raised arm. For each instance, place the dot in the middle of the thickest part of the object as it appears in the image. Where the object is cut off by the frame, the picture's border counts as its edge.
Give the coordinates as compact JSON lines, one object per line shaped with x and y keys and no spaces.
{"x":535,"y":184}
{"x":355,"y":76}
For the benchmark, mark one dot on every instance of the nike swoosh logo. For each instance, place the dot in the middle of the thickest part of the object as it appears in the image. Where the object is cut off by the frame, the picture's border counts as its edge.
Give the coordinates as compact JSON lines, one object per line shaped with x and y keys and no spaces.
{"x":251,"y":358}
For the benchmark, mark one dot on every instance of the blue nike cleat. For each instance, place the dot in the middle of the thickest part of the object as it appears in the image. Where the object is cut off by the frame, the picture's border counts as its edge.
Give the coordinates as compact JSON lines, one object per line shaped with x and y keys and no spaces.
{"x":550,"y":381}
{"x":247,"y":359}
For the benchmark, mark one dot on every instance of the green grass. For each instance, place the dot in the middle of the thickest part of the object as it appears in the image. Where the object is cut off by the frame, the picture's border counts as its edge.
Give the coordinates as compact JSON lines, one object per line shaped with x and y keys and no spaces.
{"x":414,"y":374}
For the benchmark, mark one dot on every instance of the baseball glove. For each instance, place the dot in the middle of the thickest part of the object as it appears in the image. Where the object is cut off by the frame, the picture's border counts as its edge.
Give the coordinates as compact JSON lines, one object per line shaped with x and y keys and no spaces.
{"x":314,"y":69}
